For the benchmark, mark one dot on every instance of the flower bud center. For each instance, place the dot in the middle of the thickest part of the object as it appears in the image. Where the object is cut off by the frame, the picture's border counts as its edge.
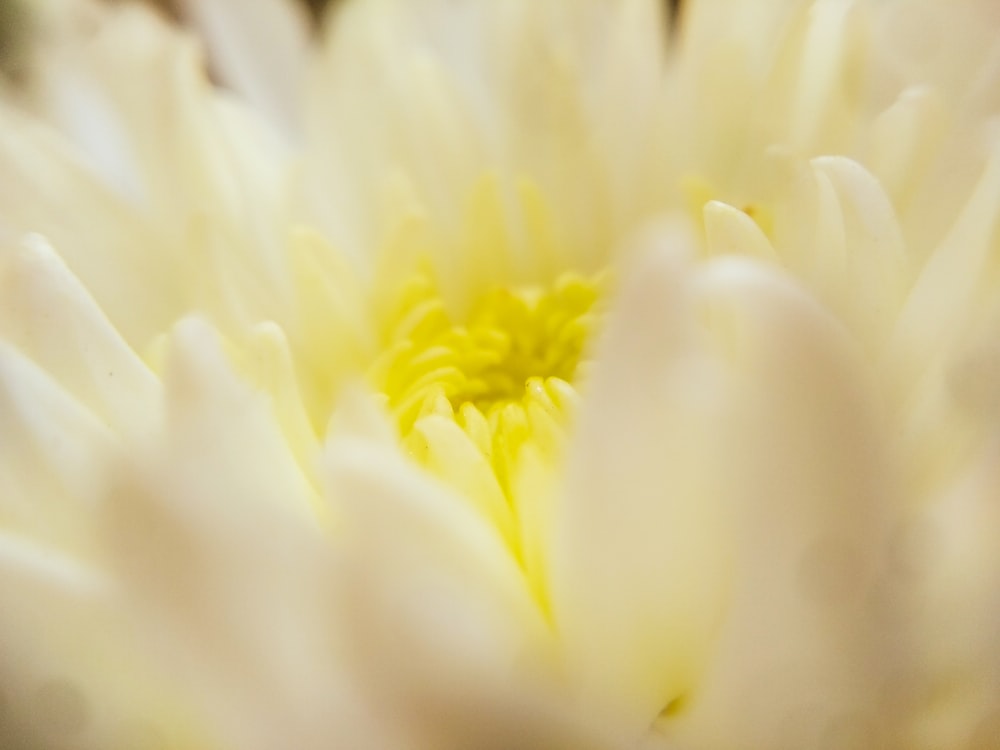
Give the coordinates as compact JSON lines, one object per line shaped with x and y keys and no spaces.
{"x":504,"y":373}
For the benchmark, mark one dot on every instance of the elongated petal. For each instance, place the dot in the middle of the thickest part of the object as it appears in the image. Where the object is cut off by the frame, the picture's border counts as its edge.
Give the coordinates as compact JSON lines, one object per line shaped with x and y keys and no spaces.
{"x":951,"y":281}
{"x":731,"y":231}
{"x":260,"y":49}
{"x":49,"y":191}
{"x":54,"y":459}
{"x":952,"y":295}
{"x":639,"y":547}
{"x":837,"y":230}
{"x":47,"y":313}
{"x":811,"y":487}
{"x":204,"y":181}
{"x":954,"y":565}
{"x":211,"y":532}
{"x":417,"y":555}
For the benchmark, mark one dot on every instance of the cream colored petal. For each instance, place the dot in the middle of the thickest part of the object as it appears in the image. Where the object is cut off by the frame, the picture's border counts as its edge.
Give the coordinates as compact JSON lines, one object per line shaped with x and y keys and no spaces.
{"x":875,"y":274}
{"x":441,"y":630}
{"x":951,"y":47}
{"x":235,"y":220}
{"x":208,"y":179}
{"x":638,"y":552}
{"x":905,"y":137}
{"x":94,"y":86}
{"x":213,"y":534}
{"x":47,"y":313}
{"x":824,"y":89}
{"x":559,"y":92}
{"x":952,"y":294}
{"x":950,"y":283}
{"x":623,"y":94}
{"x":273,"y":368}
{"x":54,"y":459}
{"x":729,"y":231}
{"x":332,"y":308}
{"x":803,"y":652}
{"x":362,"y":414}
{"x":259,"y":49}
{"x":60,"y":630}
{"x":58,"y":26}
{"x":357,"y":148}
{"x":837,"y":230}
{"x":714,"y":77}
{"x":47,"y":190}
{"x":951,"y":567}
{"x":224,"y":428}
{"x":752,"y":76}
{"x":231,"y":597}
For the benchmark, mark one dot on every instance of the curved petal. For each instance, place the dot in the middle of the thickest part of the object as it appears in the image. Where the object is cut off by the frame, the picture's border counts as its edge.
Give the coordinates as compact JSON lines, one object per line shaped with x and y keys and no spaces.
{"x":812,"y":486}
{"x":259,"y":49}
{"x":48,"y":191}
{"x":222,"y":563}
{"x":48,"y":314}
{"x":953,"y":565}
{"x":54,"y":460}
{"x":440,"y":628}
{"x":639,"y":546}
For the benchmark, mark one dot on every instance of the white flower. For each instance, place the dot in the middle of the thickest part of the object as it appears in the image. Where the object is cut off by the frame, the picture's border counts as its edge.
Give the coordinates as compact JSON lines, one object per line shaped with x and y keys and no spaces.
{"x":507,"y":374}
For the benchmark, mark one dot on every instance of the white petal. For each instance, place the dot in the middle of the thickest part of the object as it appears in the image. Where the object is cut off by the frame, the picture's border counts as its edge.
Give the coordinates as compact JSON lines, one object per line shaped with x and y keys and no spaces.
{"x":110,"y":249}
{"x":213,"y":534}
{"x":951,"y":282}
{"x":731,"y":231}
{"x":876,"y":272}
{"x":54,"y":459}
{"x":812,"y":486}
{"x":822,"y":70}
{"x":224,"y":429}
{"x":259,"y":49}
{"x":205,"y":181}
{"x":274,"y":371}
{"x":232,"y":598}
{"x":905,"y":137}
{"x":952,"y":294}
{"x":46,"y":312}
{"x":60,"y":629}
{"x":440,"y":624}
{"x":637,"y":560}
{"x":954,"y":561}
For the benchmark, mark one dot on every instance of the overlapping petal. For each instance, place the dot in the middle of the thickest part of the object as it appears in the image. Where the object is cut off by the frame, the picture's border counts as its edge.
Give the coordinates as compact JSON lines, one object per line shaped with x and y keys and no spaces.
{"x":777,"y":502}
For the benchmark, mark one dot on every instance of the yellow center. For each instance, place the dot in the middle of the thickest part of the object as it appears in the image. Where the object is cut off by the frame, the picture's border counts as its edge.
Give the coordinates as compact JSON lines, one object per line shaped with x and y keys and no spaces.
{"x":503,"y":374}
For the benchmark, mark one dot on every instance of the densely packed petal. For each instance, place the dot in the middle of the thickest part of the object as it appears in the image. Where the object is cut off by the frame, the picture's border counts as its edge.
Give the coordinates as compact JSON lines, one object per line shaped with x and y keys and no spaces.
{"x":462,"y":373}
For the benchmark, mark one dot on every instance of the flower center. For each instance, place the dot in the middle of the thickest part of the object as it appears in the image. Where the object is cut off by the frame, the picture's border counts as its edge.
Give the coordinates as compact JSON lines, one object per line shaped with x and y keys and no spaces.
{"x":503,"y":374}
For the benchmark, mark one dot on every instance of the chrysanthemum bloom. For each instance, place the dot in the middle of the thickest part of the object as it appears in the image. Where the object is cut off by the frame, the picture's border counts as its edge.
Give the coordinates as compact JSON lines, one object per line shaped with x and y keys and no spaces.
{"x":495,"y":374}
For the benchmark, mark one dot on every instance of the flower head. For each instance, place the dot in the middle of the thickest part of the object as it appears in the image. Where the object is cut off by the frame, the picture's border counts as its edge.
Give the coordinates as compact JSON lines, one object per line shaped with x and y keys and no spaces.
{"x":542,"y":373}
